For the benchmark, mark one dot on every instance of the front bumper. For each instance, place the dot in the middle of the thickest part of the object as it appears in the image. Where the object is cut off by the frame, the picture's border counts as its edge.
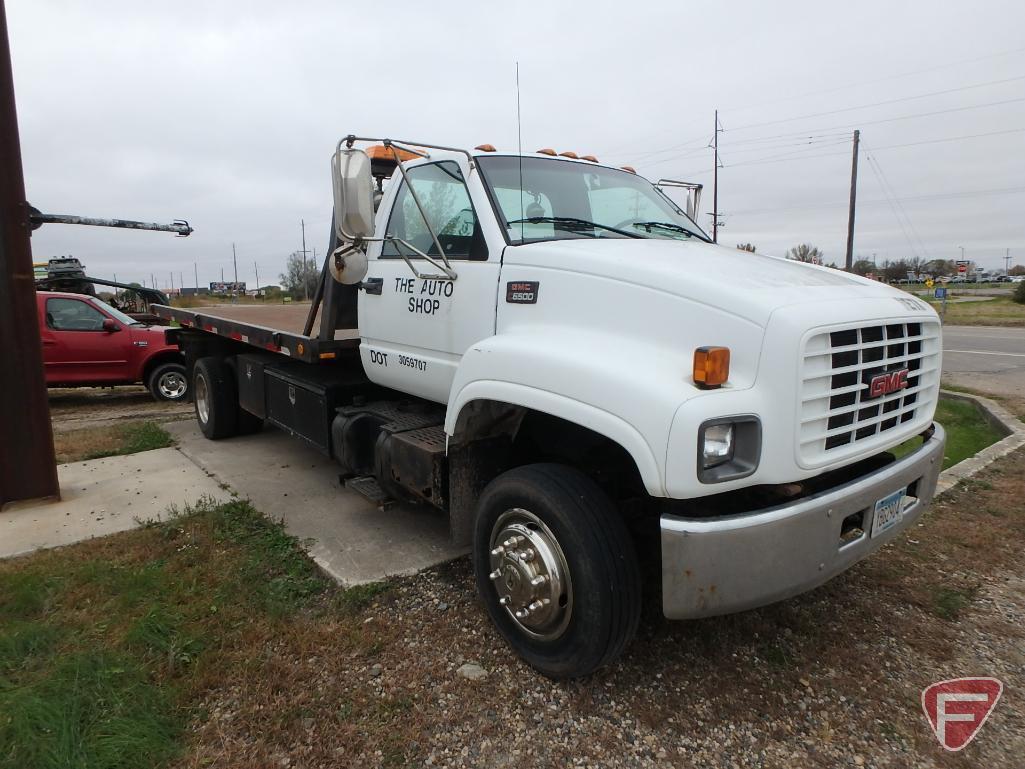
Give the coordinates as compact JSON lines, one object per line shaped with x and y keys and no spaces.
{"x":721,"y":565}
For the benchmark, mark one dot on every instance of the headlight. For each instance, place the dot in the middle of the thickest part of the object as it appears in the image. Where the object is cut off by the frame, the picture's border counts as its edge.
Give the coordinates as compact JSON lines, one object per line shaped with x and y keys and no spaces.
{"x":718,"y":444}
{"x":729,"y":448}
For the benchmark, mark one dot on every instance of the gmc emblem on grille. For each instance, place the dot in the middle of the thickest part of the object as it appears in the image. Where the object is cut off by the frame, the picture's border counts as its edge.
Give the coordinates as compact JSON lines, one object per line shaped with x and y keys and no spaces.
{"x":887,"y":382}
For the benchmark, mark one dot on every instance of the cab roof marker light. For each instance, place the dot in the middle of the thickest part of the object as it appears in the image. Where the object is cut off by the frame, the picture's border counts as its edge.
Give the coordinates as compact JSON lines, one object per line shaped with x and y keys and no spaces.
{"x":631,"y":169}
{"x":591,"y":158}
{"x":546,"y":151}
{"x":485,"y":147}
{"x":568,"y":154}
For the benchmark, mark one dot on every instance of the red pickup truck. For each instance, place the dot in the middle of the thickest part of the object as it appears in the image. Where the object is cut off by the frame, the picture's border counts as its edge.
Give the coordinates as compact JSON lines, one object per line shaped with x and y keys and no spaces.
{"x":88,"y":343}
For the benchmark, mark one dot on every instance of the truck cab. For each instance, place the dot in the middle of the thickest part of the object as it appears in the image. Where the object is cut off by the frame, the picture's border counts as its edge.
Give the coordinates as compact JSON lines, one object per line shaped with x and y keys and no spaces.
{"x":556,"y":354}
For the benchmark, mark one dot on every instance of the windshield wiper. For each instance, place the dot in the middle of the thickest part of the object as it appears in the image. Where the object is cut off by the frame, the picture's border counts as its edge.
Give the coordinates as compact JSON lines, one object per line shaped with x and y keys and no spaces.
{"x":573,"y":224}
{"x":667,"y":226}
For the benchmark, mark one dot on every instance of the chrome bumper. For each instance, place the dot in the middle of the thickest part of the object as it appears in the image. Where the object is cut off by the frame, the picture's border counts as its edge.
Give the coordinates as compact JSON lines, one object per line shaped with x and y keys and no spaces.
{"x":722,"y":565}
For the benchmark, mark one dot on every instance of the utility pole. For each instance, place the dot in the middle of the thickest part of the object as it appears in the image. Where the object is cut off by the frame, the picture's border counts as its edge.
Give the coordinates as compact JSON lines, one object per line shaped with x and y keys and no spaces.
{"x":854,"y":195}
{"x":234,"y":261}
{"x":28,"y":466}
{"x":715,"y":181}
{"x":1007,"y":260}
{"x":257,"y":268}
{"x":306,"y":288}
{"x":195,"y":273}
{"x":172,"y":282}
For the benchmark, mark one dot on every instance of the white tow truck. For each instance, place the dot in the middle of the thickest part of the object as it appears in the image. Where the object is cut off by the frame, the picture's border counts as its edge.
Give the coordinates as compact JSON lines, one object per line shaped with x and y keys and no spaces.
{"x":552,"y":351}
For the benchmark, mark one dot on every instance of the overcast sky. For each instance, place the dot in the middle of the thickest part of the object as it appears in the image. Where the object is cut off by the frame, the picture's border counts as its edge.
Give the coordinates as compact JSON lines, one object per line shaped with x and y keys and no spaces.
{"x":225,"y":114}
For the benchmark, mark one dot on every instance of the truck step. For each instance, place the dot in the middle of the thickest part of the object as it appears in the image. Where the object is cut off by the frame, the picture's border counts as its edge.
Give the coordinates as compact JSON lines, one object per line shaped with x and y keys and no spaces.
{"x":368,"y":486}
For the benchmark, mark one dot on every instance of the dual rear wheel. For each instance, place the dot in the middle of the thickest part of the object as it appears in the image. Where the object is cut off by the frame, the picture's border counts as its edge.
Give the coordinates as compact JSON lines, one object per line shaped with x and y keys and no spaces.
{"x":216,"y":399}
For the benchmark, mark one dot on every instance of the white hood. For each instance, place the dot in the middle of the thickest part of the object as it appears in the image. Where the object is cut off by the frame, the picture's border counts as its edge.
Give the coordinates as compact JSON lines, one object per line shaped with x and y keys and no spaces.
{"x":745,"y":284}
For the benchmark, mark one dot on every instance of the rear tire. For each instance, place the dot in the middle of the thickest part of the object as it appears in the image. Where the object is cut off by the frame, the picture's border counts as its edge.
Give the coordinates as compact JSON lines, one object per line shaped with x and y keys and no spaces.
{"x":168,"y":382}
{"x":213,"y":391}
{"x":545,"y":536}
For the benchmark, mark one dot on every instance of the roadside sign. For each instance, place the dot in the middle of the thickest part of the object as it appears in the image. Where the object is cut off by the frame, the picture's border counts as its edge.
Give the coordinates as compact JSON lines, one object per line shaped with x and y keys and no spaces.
{"x":962,"y":267}
{"x":941,"y":293}
{"x":929,"y":283}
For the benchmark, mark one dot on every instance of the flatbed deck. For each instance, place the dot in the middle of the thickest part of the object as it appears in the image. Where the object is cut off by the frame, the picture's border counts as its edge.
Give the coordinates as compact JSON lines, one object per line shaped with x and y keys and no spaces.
{"x":274,"y":327}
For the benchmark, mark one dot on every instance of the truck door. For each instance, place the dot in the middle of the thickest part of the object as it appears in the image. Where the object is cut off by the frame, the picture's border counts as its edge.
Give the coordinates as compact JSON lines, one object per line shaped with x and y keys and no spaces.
{"x":415,"y":331}
{"x":76,"y":349}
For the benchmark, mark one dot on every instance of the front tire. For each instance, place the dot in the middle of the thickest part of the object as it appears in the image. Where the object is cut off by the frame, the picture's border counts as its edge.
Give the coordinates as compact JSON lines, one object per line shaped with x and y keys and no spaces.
{"x":168,"y":382}
{"x":213,"y":391}
{"x":556,"y":569}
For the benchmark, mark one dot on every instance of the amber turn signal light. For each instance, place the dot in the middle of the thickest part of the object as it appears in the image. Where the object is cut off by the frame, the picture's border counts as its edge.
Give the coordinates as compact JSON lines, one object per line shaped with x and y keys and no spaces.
{"x":711,"y":366}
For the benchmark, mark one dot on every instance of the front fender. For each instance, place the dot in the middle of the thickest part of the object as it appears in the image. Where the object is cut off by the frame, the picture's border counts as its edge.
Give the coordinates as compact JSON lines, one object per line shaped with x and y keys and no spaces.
{"x":617,"y":389}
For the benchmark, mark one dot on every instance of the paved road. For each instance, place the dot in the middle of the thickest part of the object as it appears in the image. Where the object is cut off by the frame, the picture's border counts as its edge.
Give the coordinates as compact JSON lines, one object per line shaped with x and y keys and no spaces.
{"x":986,"y":358}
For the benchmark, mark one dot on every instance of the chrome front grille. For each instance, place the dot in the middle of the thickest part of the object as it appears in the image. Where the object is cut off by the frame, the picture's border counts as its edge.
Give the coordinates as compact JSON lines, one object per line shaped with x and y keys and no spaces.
{"x":838,"y":415}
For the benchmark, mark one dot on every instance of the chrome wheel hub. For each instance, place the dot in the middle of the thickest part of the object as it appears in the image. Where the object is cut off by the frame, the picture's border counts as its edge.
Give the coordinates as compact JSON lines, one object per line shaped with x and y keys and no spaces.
{"x":202,"y":399}
{"x":172,"y":385}
{"x":530,"y":574}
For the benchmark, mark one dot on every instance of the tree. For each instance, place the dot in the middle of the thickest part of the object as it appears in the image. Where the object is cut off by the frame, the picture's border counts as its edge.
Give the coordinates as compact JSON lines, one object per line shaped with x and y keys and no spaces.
{"x":293,"y":278}
{"x":863,"y":267}
{"x":1018,"y":269}
{"x":1019,"y":293}
{"x":746,"y":247}
{"x":805,"y":253}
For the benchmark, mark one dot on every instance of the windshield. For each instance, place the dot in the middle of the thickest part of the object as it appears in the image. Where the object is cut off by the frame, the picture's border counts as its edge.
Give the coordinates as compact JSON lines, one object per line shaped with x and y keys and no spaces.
{"x":116,"y":314}
{"x":563,"y":200}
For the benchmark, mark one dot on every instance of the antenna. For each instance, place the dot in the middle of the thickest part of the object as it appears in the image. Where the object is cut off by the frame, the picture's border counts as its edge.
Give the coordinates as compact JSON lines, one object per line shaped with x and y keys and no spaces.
{"x":519,"y":145}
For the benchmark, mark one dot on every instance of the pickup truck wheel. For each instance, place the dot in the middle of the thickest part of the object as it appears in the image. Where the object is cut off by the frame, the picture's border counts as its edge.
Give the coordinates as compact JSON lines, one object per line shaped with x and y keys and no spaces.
{"x":213,"y":390}
{"x":168,"y":382}
{"x":556,"y":568}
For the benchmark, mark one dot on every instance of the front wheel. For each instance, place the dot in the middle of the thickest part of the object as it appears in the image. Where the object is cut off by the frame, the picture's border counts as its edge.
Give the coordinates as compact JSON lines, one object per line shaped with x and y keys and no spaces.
{"x":556,"y":568}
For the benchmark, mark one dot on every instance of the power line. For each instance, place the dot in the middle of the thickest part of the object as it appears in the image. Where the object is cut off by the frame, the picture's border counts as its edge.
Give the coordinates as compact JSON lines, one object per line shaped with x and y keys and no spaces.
{"x":893,"y":192}
{"x":998,"y":191}
{"x":880,"y":103}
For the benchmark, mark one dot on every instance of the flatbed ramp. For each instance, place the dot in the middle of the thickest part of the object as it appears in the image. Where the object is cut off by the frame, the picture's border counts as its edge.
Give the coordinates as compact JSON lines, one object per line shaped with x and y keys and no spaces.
{"x":274,"y":327}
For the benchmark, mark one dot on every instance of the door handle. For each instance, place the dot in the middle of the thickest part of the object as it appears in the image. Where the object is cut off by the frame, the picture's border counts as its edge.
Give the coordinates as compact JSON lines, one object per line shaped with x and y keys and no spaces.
{"x":372,"y":285}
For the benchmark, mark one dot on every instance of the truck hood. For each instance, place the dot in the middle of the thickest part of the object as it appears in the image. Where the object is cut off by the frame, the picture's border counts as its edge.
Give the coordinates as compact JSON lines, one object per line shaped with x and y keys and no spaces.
{"x":749,"y":285}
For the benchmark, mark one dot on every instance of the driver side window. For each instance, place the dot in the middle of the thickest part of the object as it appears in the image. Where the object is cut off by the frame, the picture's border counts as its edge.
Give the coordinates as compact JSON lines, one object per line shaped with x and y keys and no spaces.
{"x":446,"y":201}
{"x":73,"y":315}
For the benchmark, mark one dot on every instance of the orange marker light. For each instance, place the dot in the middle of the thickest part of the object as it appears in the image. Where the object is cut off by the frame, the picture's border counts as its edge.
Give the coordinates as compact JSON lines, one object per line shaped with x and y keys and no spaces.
{"x":711,"y":366}
{"x":631,"y":169}
{"x":568,"y":154}
{"x":592,"y":158}
{"x":546,"y":151}
{"x":485,"y":147}
{"x":380,"y":152}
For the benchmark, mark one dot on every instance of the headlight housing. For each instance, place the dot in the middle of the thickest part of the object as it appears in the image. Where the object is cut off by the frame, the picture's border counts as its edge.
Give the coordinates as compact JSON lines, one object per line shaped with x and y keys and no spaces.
{"x":729,"y":448}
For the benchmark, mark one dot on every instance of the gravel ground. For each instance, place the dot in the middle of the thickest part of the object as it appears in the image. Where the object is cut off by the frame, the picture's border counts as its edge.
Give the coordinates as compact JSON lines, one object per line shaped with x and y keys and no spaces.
{"x":829,"y":679}
{"x":81,"y":407}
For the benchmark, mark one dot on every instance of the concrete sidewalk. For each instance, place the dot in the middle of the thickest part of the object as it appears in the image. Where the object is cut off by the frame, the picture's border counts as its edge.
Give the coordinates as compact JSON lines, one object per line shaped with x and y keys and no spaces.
{"x":345,"y":533}
{"x":103,"y":496}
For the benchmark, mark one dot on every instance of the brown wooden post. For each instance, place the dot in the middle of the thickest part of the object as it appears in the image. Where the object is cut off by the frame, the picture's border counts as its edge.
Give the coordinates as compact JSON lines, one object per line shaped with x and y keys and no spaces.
{"x":28,"y":467}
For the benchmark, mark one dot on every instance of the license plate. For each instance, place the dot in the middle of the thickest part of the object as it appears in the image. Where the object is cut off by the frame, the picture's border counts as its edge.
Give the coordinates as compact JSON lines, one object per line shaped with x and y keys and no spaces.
{"x":888,"y":512}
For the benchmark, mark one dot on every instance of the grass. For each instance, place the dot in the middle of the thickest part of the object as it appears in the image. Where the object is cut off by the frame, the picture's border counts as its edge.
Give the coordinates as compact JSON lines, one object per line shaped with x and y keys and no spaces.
{"x":967,"y":432}
{"x":110,"y":440}
{"x":997,"y":311}
{"x":107,"y":648}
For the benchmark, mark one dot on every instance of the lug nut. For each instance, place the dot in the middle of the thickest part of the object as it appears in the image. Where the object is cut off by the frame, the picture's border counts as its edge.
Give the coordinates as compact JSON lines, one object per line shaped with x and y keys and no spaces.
{"x":495,"y":574}
{"x":503,"y":600}
{"x":498,"y":550}
{"x":535,"y":606}
{"x":528,"y":554}
{"x":540,"y":579}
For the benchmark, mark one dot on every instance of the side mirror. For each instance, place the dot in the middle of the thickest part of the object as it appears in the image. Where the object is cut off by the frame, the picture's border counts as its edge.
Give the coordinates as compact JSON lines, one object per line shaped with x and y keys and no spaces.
{"x":353,"y":188}
{"x":110,"y":325}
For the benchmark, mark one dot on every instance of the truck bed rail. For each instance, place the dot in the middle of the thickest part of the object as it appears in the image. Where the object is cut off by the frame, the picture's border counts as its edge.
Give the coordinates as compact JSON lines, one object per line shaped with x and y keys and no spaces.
{"x":279,"y":329}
